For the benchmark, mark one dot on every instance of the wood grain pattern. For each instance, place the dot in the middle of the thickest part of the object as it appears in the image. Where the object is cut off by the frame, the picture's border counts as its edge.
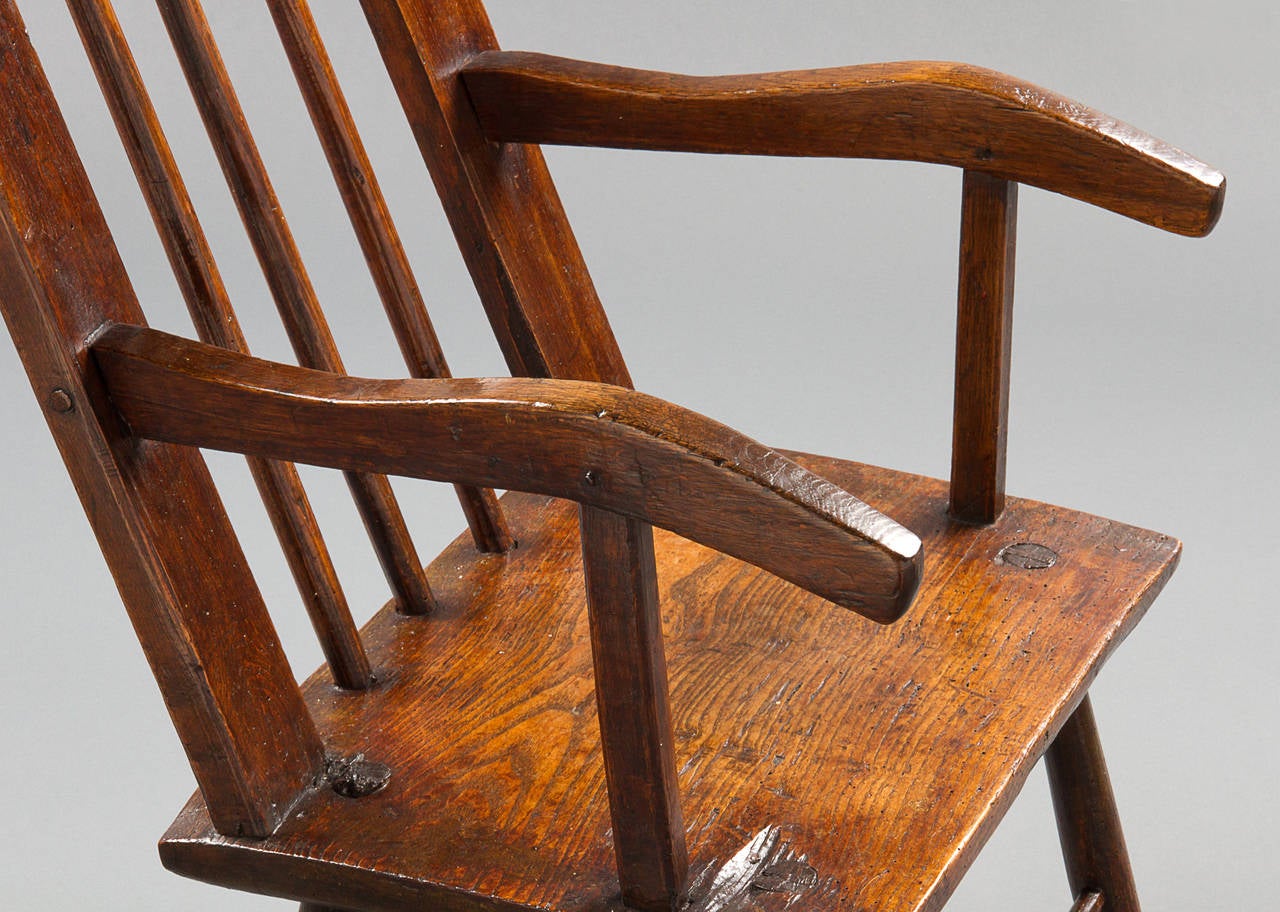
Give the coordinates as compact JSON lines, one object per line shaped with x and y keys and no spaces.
{"x":286,"y":275}
{"x":596,"y":444}
{"x":504,"y":209}
{"x":984,"y":333}
{"x":153,"y":507}
{"x":872,"y":753}
{"x":215,"y":320}
{"x":1088,"y":823}
{"x":948,"y":113}
{"x":371,"y":219}
{"x":629,"y":667}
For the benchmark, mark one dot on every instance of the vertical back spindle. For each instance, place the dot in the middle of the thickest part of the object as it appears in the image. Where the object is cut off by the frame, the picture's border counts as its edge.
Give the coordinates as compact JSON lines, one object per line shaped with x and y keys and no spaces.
{"x":988,"y":229}
{"x":209,"y":305}
{"x":286,"y":275}
{"x":367,"y":208}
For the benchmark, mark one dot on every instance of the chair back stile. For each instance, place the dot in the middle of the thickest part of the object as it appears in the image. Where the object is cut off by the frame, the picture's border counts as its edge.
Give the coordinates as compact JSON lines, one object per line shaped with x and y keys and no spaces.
{"x":166,"y":537}
{"x":501,"y":203}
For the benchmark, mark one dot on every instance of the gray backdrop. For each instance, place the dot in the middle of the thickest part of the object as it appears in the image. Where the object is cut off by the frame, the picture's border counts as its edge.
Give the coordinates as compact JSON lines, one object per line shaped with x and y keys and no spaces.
{"x":808,"y":303}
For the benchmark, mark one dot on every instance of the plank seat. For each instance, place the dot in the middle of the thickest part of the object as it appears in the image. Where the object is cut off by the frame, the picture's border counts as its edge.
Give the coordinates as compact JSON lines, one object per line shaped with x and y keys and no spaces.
{"x":852,"y":736}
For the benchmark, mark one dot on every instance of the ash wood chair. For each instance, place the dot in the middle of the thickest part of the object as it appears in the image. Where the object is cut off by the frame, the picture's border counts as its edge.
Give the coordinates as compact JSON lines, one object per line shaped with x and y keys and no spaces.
{"x":608,"y":713}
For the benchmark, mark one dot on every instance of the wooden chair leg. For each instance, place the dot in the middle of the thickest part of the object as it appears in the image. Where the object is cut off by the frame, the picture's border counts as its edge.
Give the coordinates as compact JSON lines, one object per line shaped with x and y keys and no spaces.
{"x":1088,"y":824}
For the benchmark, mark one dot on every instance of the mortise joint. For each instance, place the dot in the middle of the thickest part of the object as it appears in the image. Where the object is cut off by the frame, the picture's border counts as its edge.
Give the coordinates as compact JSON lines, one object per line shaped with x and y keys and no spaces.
{"x":1028,"y":556}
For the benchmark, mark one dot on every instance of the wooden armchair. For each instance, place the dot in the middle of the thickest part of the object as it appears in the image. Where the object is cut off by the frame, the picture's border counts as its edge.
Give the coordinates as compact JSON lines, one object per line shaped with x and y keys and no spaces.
{"x":569,"y":709}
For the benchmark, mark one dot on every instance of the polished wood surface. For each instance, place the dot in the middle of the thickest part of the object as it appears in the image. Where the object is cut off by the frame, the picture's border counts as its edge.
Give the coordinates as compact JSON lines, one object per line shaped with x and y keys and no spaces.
{"x":984,"y":333}
{"x":174,"y":556}
{"x":286,"y":275}
{"x":379,"y":240}
{"x":845,"y":757}
{"x":1089,"y":902}
{"x":949,"y":113}
{"x":601,"y":445}
{"x":215,"y":320}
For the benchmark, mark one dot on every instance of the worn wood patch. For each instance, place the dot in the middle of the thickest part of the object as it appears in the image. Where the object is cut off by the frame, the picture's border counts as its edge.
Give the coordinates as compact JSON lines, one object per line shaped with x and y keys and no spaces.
{"x":766,"y":873}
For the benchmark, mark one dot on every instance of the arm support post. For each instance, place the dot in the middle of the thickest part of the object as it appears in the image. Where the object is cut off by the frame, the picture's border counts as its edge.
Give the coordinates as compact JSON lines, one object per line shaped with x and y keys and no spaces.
{"x":984,"y":327}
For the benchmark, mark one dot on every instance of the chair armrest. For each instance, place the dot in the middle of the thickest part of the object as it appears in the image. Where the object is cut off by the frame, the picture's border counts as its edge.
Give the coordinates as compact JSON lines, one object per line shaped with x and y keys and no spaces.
{"x":948,"y":113}
{"x":597,"y":444}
